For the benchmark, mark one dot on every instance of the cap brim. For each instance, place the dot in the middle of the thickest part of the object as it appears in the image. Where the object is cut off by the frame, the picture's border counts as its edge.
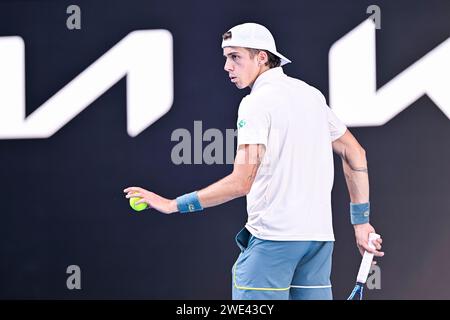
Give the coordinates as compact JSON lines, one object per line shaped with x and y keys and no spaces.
{"x":284,"y":60}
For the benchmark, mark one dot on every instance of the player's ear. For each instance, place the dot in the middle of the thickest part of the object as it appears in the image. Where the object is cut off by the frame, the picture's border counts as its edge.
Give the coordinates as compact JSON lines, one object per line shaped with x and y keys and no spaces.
{"x":262,"y":57}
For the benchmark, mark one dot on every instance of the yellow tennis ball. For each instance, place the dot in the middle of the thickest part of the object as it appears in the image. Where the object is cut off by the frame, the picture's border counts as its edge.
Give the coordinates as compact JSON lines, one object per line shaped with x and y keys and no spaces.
{"x":138,"y":207}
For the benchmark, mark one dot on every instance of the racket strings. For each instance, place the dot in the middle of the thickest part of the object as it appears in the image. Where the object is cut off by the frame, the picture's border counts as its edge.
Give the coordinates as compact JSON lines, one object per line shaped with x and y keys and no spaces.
{"x":358,"y":290}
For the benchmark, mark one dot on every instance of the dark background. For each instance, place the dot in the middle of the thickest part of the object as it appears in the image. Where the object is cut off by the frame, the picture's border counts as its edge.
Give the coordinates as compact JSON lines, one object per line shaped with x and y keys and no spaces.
{"x":61,"y":197}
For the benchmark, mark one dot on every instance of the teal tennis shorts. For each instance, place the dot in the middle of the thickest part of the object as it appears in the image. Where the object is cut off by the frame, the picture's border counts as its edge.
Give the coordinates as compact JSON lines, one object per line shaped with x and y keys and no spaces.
{"x":281,"y":270}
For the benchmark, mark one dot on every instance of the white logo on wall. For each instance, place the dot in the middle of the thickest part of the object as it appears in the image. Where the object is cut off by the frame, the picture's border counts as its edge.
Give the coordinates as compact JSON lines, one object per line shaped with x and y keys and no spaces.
{"x":353,"y":93}
{"x":144,"y":57}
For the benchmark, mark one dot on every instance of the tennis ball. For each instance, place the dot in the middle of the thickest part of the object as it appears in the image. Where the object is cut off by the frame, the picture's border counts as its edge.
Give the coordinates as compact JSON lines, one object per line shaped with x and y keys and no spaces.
{"x":138,"y":207}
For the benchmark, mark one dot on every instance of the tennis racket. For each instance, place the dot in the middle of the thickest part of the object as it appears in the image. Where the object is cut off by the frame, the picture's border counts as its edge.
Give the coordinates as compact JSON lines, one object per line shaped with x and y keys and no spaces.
{"x":364,"y":269}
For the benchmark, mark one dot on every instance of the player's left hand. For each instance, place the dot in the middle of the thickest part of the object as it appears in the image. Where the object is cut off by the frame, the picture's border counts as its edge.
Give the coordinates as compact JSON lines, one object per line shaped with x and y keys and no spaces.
{"x":362,"y":239}
{"x":154,"y":201}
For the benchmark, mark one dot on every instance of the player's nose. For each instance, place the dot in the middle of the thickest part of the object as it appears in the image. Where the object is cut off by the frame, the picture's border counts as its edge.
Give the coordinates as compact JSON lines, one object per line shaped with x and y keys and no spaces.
{"x":228,"y":66}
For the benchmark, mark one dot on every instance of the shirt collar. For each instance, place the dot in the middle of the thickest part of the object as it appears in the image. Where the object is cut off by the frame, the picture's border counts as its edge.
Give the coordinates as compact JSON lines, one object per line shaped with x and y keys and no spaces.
{"x":267,"y":76}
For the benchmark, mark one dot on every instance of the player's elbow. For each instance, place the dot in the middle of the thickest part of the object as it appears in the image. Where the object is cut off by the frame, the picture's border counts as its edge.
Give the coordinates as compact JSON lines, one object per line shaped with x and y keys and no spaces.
{"x":243,"y":188}
{"x":246,"y":189}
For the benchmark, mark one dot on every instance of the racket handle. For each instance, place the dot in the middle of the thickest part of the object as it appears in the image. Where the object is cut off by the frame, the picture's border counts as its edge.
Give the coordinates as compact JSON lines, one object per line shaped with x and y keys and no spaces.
{"x":366,"y":262}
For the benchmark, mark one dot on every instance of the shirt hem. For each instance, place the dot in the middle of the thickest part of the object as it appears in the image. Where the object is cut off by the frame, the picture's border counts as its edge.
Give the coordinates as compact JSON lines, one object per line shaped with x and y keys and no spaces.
{"x":291,"y":237}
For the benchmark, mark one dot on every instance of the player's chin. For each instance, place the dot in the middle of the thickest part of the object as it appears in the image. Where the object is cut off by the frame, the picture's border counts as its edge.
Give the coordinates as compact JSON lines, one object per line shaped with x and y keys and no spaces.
{"x":240,"y":86}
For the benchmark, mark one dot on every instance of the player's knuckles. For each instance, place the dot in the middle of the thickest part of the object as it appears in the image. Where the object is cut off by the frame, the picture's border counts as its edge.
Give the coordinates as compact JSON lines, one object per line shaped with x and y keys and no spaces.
{"x":361,"y":243}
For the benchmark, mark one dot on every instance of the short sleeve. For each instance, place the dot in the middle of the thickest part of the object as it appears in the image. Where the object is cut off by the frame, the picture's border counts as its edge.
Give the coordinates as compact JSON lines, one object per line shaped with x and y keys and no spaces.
{"x":253,"y":124}
{"x":336,"y":126}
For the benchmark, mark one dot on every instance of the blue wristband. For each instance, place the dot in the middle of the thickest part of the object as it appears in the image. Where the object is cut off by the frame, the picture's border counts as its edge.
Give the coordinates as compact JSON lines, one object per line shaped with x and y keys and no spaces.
{"x":189,"y":203}
{"x":359,"y":212}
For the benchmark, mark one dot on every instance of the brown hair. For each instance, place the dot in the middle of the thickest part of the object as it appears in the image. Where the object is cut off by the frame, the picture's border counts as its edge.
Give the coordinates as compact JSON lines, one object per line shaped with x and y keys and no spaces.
{"x":226,"y":35}
{"x":272,"y":60}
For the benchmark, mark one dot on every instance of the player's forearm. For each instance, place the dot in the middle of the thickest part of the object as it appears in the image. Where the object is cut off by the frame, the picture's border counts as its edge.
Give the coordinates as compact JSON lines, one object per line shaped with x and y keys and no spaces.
{"x":236,"y":184}
{"x":222,"y":191}
{"x":356,"y":174}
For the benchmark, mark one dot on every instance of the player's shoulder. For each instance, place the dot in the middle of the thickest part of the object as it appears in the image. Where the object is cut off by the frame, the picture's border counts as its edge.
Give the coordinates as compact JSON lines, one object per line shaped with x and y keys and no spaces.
{"x":310,"y":91}
{"x":306,"y":87}
{"x":255,"y":103}
{"x":259,"y":99}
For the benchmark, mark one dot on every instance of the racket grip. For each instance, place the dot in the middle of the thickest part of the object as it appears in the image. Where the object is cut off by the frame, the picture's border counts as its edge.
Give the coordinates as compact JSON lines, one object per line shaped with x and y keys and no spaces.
{"x":372,"y":237}
{"x":366,"y":262}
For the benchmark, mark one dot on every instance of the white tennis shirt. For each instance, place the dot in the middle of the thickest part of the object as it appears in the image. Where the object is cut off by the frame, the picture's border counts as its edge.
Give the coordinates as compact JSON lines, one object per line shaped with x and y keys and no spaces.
{"x":290,"y":198}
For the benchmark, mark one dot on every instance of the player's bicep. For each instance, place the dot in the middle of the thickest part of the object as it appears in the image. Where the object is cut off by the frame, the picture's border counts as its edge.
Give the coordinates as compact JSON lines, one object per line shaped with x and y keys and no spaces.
{"x":346,"y":142}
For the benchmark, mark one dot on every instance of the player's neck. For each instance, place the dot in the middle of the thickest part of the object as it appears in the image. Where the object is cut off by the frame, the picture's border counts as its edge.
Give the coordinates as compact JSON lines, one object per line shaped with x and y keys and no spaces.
{"x":260,"y":72}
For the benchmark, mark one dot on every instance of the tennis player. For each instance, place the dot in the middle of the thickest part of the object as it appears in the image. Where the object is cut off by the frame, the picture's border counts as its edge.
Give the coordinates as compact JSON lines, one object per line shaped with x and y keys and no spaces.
{"x":284,"y":166}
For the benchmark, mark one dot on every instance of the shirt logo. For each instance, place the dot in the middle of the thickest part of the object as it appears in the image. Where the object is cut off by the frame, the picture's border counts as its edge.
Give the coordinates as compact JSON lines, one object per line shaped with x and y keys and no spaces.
{"x":241,"y":123}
